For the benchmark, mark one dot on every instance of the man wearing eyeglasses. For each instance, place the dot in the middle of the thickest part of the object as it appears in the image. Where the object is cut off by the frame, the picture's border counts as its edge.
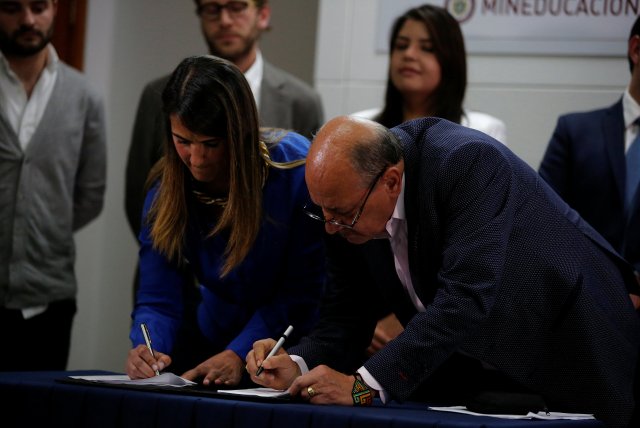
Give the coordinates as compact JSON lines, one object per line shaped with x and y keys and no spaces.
{"x":232,"y":30}
{"x":498,"y":283}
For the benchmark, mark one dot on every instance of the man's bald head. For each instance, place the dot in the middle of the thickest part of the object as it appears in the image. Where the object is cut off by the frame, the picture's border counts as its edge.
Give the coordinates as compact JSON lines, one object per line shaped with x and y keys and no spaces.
{"x":354,"y":174}
{"x":361,"y":145}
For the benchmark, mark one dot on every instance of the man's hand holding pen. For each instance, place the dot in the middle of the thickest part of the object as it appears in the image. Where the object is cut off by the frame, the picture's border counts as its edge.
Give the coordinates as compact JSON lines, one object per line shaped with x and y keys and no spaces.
{"x":279,"y":371}
{"x":141,"y":364}
{"x":322,"y":385}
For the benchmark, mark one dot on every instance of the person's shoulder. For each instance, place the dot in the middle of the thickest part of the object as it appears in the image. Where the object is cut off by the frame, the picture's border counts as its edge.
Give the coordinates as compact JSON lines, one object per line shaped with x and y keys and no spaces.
{"x":589,"y":115}
{"x":433,"y":134}
{"x":278,"y":76}
{"x":478,"y":120}
{"x":158,"y":83}
{"x":72,"y":77}
{"x":74,"y":82}
{"x":285,"y":146}
{"x":486,"y":123}
{"x":154,"y":87}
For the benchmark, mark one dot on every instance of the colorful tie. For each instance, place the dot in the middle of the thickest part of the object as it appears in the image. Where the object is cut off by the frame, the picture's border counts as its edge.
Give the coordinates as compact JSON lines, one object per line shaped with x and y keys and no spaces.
{"x":633,"y":169}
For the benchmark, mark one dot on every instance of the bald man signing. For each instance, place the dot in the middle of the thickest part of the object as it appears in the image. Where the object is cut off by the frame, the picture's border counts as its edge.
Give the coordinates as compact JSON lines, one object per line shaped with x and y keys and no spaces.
{"x":498,"y":283}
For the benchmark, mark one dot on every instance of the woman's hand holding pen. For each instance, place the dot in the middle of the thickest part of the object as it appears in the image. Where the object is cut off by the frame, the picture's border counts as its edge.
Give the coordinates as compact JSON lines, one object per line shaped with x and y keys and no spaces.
{"x":224,"y":368}
{"x":141,"y":364}
{"x":279,"y":370}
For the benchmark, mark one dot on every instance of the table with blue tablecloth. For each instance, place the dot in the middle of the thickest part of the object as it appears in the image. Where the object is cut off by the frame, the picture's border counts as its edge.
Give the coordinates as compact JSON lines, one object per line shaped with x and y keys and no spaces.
{"x":39,"y":399}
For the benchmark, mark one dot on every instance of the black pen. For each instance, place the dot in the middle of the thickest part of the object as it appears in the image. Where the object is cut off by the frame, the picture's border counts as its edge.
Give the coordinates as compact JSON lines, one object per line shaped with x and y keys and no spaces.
{"x":147,"y":339}
{"x":277,"y":347}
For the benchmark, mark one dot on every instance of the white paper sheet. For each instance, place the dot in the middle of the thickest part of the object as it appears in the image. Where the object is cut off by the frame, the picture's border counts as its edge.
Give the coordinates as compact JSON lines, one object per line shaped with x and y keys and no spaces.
{"x":530,"y":415}
{"x":165,"y":379}
{"x":256,"y":392}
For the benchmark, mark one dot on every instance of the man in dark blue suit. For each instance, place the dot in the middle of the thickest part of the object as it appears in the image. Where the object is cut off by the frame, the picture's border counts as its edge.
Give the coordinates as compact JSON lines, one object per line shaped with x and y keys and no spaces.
{"x":585,"y":163}
{"x":499,"y":284}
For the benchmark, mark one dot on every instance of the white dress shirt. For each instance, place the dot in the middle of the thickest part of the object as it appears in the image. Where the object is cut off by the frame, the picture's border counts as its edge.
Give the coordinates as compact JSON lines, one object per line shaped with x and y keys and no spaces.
{"x":24,"y":113}
{"x":397,"y":229}
{"x":631,"y":112}
{"x":254,"y":77}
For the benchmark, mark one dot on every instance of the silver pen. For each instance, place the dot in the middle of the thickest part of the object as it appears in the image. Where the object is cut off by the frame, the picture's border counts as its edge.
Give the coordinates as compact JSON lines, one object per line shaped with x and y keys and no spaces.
{"x":276,"y":348}
{"x":147,"y":339}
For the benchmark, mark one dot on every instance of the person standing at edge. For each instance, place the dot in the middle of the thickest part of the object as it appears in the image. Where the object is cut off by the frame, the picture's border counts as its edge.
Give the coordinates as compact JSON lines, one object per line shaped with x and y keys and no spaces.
{"x":591,"y":160}
{"x":232,"y":30}
{"x":498,"y":283}
{"x":53,"y":167}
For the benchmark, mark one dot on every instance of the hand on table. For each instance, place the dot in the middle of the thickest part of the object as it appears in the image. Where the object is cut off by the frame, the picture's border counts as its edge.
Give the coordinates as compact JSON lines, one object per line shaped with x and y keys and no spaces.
{"x":224,"y":368}
{"x":142,"y":365}
{"x":323,"y":385}
{"x":279,"y":371}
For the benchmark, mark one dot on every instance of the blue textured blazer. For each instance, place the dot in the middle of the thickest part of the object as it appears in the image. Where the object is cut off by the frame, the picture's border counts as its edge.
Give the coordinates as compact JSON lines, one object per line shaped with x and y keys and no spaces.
{"x":508,"y":273}
{"x":585,"y":164}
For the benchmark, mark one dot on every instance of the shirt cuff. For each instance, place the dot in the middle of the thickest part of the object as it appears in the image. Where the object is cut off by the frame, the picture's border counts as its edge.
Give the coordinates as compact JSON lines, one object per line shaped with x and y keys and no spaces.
{"x":373,"y":383}
{"x":304,"y":369}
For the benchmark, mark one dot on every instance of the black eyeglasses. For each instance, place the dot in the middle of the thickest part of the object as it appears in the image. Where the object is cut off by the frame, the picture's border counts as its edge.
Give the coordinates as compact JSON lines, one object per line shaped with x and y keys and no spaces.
{"x":213,"y":10}
{"x":315,"y":212}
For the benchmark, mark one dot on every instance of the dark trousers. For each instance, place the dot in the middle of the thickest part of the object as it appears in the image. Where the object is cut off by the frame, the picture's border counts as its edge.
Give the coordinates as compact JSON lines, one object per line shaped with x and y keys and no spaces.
{"x":38,"y":343}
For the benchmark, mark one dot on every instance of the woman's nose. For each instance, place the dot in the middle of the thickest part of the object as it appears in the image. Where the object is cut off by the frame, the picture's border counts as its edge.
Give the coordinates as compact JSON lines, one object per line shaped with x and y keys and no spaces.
{"x":198,"y":152}
{"x":410,"y":51}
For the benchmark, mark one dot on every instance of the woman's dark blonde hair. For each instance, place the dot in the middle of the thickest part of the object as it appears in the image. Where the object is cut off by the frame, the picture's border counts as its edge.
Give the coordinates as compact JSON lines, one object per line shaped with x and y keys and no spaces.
{"x":211,"y":97}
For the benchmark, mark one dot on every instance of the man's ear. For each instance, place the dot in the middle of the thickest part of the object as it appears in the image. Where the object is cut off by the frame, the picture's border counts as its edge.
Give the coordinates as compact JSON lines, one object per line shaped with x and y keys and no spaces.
{"x":392,"y":179}
{"x":264,"y":17}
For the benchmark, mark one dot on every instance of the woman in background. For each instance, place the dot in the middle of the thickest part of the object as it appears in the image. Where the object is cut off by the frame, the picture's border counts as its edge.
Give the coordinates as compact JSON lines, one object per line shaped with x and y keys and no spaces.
{"x":428,"y":73}
{"x":225,"y":206}
{"x":427,"y":77}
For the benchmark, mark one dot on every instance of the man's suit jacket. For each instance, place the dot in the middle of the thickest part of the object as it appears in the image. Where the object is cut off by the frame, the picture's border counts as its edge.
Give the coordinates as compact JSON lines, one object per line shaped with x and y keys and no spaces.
{"x":285,"y":102}
{"x":508,"y":273}
{"x":585,"y":164}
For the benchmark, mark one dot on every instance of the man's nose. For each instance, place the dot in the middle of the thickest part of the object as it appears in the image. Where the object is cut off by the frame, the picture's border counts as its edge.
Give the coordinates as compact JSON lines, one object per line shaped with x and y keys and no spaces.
{"x":331,"y":228}
{"x":225,"y":17}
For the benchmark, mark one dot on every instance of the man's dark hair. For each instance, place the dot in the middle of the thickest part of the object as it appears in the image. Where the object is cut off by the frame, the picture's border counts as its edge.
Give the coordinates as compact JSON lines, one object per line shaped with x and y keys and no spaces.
{"x":369,"y":158}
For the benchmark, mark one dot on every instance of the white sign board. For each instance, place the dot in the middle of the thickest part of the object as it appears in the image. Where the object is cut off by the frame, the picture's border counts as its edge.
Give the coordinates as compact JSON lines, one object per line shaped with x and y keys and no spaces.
{"x":529,"y":27}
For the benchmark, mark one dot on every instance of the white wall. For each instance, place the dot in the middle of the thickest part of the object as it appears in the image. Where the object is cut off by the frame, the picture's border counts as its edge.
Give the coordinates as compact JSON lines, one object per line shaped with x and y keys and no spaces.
{"x":528,"y":93}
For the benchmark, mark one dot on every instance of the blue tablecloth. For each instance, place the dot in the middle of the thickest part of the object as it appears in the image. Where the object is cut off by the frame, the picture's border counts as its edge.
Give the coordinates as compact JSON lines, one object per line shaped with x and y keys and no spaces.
{"x":35,"y":399}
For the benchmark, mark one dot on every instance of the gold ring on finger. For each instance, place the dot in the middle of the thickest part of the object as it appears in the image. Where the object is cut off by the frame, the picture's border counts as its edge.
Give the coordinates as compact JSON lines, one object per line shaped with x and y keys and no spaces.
{"x":311,"y":392}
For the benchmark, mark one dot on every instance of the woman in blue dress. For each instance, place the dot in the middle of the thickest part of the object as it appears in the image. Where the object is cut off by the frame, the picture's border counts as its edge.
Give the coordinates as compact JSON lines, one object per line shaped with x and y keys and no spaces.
{"x":225,"y":208}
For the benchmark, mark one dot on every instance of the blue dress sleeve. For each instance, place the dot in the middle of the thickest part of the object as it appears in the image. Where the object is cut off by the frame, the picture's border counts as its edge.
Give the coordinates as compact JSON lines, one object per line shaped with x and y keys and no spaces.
{"x":159,"y":297}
